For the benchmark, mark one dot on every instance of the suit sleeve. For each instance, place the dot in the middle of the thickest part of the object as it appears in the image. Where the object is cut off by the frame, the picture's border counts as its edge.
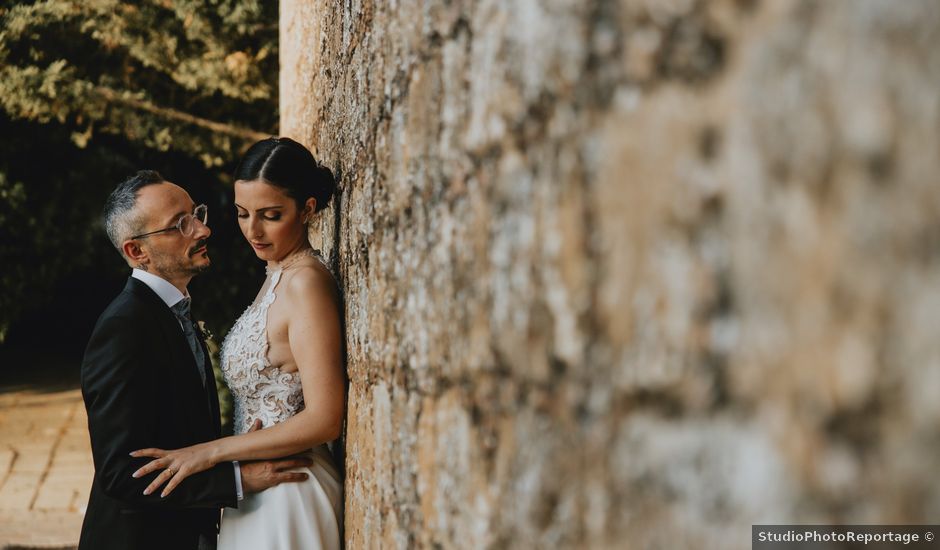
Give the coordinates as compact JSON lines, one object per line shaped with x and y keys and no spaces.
{"x":118,"y":375}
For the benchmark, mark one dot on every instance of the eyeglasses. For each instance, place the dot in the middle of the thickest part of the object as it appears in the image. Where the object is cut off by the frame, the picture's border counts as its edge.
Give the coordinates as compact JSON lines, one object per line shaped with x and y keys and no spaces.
{"x":185,"y":225}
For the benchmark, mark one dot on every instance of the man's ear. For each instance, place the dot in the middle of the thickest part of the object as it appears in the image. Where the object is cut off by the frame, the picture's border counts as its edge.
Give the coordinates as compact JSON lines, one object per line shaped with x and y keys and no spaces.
{"x":136,"y":256}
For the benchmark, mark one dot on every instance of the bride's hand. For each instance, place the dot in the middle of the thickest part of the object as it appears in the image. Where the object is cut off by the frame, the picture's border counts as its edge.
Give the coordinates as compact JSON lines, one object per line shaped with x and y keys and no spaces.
{"x":176,"y":465}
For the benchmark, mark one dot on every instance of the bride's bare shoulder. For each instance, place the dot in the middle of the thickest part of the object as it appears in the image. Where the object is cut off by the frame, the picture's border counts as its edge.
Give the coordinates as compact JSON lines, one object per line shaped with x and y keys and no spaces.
{"x":311,"y":282}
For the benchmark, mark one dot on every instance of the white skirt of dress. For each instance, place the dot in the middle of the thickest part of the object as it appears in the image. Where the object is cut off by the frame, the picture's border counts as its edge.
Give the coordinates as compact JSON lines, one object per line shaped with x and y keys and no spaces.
{"x":290,"y":516}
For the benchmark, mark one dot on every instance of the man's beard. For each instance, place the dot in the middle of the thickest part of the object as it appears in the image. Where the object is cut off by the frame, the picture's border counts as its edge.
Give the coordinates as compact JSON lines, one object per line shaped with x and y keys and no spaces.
{"x":197,"y":246}
{"x":181,"y":268}
{"x":197,"y":269}
{"x":174,"y":265}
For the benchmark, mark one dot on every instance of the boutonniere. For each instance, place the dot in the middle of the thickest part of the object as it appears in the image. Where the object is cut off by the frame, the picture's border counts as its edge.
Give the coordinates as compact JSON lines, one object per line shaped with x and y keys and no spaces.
{"x":203,"y":331}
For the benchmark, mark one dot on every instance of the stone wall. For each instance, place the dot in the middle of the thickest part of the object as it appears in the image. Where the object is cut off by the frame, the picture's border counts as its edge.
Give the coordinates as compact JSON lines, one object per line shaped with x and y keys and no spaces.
{"x":628,"y":273}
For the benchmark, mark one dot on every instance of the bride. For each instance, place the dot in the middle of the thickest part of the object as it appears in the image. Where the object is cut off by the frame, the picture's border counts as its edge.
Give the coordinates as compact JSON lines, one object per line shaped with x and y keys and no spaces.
{"x":282,"y":361}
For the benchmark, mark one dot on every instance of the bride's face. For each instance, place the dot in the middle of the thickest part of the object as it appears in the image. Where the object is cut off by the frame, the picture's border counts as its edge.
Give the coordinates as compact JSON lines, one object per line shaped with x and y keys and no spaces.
{"x":269,"y":219}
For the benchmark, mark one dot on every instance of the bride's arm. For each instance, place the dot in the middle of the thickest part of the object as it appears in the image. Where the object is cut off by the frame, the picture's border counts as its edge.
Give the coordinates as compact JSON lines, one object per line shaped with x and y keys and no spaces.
{"x":315,"y":342}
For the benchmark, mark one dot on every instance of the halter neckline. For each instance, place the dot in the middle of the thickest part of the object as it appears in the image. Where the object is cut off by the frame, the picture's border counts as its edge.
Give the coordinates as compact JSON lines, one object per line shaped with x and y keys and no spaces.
{"x":290,"y":261}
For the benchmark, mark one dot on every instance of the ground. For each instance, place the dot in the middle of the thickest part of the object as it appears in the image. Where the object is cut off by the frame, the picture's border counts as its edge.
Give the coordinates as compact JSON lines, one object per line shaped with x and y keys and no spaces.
{"x":45,"y":463}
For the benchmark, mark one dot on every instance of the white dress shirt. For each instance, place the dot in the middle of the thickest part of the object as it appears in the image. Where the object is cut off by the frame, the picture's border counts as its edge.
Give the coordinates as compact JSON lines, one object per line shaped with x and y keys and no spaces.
{"x":171,"y":296}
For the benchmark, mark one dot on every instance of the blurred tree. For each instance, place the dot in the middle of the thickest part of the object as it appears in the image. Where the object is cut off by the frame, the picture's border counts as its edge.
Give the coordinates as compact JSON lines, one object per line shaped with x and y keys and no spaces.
{"x":93,"y":90}
{"x":194,"y":76}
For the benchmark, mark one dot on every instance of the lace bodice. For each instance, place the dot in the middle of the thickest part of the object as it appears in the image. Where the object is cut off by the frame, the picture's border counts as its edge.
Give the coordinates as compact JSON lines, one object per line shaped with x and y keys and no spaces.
{"x":259,"y":391}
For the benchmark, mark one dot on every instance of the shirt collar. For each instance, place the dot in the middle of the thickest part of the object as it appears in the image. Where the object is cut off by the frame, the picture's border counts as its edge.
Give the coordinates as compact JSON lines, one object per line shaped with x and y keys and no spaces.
{"x":166,"y":291}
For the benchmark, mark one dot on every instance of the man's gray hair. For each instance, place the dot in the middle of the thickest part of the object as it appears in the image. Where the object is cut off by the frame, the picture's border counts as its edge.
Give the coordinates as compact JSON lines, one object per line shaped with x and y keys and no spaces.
{"x":120,"y":219}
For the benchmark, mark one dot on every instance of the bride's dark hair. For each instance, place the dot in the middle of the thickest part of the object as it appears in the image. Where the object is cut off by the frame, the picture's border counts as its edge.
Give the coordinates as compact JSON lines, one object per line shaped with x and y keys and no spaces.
{"x":284,"y":163}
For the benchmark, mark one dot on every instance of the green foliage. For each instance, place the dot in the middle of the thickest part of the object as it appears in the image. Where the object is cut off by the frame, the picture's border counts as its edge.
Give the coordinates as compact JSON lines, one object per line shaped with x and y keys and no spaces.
{"x":93,"y":90}
{"x":196,"y":77}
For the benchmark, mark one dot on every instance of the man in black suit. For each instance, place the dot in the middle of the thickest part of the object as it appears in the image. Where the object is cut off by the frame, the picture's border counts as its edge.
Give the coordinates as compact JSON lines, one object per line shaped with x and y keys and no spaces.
{"x":147,"y":382}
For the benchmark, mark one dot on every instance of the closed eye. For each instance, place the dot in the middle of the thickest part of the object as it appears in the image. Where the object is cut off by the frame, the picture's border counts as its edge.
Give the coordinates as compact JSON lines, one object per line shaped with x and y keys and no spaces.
{"x":267,"y":215}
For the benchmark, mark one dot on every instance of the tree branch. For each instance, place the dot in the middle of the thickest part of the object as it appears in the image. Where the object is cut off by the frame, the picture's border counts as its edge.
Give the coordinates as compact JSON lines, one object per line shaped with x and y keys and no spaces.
{"x":173,"y":114}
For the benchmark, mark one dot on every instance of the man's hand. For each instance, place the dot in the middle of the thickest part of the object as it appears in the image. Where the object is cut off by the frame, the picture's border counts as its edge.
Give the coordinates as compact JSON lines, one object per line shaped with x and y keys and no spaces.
{"x":264,"y":474}
{"x":261,"y":475}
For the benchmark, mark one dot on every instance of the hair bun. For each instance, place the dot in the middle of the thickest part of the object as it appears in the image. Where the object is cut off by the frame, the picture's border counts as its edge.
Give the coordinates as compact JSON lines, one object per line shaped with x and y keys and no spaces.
{"x":324,"y":185}
{"x":285,"y":163}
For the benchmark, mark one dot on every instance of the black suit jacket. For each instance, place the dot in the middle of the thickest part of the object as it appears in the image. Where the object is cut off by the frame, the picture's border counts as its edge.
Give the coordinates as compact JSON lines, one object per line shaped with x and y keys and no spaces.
{"x":141,"y":389}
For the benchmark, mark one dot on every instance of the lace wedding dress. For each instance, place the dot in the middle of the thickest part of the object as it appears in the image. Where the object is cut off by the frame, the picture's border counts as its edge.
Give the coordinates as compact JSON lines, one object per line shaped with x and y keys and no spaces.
{"x":305,"y":515}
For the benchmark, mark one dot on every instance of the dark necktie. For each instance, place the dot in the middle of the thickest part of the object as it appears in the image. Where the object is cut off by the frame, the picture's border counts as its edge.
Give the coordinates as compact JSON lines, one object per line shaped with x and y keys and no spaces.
{"x":181,"y":310}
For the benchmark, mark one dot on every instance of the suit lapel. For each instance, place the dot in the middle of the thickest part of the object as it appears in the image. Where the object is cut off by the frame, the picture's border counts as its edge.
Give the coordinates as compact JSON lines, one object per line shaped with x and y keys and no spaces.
{"x":183,"y":362}
{"x":211,"y":388}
